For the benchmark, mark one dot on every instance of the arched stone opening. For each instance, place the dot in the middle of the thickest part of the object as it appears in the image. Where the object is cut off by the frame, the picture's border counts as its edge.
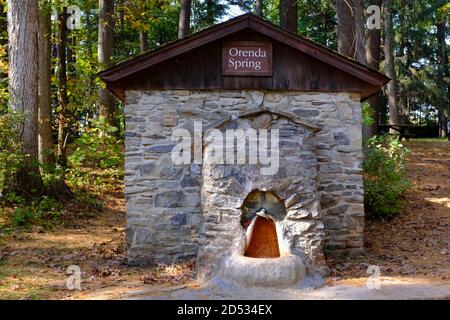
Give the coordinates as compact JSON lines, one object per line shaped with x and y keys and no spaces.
{"x":260,"y":212}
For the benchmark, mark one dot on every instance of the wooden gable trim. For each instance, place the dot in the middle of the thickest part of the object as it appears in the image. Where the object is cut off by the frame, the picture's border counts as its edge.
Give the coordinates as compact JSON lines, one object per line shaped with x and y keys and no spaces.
{"x":173,"y":49}
{"x":257,"y":24}
{"x":321,"y":53}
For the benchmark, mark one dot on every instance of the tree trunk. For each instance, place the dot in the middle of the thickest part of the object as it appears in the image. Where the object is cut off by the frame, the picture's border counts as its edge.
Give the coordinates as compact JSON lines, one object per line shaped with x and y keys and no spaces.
{"x":63,"y":100}
{"x":46,"y":151}
{"x":185,"y":18}
{"x":373,"y":55}
{"x":259,"y":5}
{"x":23,"y":89}
{"x":442,"y":67}
{"x":289,"y":15}
{"x":359,"y":31}
{"x":442,"y":120}
{"x":345,"y":25}
{"x":389,"y":57}
{"x":143,"y":41}
{"x":209,"y":12}
{"x":105,"y":52}
{"x":373,"y":44}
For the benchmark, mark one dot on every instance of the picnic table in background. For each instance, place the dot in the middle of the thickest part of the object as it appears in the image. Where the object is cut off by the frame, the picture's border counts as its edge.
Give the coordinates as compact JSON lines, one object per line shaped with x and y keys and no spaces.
{"x":402,"y":129}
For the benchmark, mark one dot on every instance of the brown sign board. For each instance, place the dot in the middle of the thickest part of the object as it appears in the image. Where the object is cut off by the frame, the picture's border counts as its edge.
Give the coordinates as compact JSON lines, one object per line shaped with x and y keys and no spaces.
{"x":247,"y":58}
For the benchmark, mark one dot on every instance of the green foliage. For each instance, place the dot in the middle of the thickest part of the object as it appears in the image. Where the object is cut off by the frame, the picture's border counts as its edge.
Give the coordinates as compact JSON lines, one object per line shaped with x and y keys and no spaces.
{"x":51,"y":173}
{"x":385,"y":180}
{"x":11,"y":156}
{"x":98,"y":146}
{"x":207,"y":13}
{"x":40,"y":212}
{"x":417,"y":58}
{"x":15,"y":198}
{"x":157,"y":18}
{"x":316,"y":19}
{"x":368,"y":114}
{"x":89,"y":200}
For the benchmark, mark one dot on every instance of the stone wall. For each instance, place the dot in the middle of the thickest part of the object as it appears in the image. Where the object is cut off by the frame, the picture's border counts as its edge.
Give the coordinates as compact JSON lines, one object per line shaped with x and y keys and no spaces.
{"x":295,"y":183}
{"x":164,"y":207}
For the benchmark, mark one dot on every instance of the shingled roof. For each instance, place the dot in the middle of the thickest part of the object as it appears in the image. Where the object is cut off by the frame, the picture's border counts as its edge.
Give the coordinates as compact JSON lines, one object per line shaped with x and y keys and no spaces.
{"x":117,"y":76}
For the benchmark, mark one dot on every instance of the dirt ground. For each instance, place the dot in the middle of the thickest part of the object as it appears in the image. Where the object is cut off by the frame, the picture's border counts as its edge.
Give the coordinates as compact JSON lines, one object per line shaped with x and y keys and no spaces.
{"x":413,"y":247}
{"x":416,"y":244}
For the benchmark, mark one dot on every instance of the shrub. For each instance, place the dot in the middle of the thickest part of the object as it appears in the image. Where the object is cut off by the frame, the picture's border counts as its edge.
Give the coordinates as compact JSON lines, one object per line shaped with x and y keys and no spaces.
{"x":385,"y":180}
{"x":367,"y":114}
{"x":40,"y":212}
{"x":11,"y":157}
{"x":98,"y":146}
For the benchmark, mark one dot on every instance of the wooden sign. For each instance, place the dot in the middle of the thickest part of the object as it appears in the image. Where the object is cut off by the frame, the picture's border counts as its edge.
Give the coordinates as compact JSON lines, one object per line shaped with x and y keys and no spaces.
{"x":247,"y":58}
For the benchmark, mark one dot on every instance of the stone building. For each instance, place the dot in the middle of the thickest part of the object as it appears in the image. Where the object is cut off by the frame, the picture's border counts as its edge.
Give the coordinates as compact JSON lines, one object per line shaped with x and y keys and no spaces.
{"x":242,"y":225}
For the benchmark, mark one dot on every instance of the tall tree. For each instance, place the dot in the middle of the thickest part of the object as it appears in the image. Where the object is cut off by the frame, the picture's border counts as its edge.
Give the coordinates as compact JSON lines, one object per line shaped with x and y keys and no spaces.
{"x":391,"y":90}
{"x":63,"y":100}
{"x":105,"y":53}
{"x":23,"y":88}
{"x":289,"y":15}
{"x":143,"y":41}
{"x":404,"y":53}
{"x":259,"y":5}
{"x":373,"y":56}
{"x":46,"y":152}
{"x":185,"y":18}
{"x":443,"y":107}
{"x":359,"y":31}
{"x":350,"y":29}
{"x":344,"y":15}
{"x":210,"y":12}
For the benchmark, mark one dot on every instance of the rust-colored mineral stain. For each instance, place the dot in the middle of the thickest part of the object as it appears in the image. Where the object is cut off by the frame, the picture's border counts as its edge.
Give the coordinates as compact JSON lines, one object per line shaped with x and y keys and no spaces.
{"x":263,"y":241}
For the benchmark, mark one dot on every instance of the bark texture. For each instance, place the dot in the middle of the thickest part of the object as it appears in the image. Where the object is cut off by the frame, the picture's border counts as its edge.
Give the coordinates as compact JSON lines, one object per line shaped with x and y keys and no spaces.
{"x":63,"y":99}
{"x":344,"y":15}
{"x":289,"y":15}
{"x":359,"y":31}
{"x":185,"y":18}
{"x":23,"y":88}
{"x":143,"y":41}
{"x":105,"y":52}
{"x":391,"y":90}
{"x":442,"y":68}
{"x":373,"y":56}
{"x":46,"y":147}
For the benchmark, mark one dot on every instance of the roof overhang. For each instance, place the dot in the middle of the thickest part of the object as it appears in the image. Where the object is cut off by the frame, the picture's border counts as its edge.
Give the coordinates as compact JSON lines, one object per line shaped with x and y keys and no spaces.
{"x":168,"y":51}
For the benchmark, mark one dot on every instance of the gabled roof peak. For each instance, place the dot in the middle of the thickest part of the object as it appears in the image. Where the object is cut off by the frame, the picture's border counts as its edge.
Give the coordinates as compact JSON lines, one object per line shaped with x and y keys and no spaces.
{"x":128,"y":68}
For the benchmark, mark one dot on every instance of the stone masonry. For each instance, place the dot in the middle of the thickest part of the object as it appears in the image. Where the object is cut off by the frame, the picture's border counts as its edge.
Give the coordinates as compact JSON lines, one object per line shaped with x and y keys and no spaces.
{"x":168,"y":206}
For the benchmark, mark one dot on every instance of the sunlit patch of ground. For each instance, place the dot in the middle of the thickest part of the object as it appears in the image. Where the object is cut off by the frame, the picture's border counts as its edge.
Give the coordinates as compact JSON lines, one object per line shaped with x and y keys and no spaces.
{"x":443,"y":201}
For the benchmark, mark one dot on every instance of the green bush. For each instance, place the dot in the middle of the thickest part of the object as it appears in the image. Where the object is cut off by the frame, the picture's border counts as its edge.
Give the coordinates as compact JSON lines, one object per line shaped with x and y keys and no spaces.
{"x":11,"y":157}
{"x":385,"y":180}
{"x":40,"y":212}
{"x":367,"y":114}
{"x":98,"y":146}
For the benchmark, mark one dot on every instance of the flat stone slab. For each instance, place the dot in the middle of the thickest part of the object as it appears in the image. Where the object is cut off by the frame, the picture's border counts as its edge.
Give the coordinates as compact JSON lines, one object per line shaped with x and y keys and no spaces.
{"x":264,"y":272}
